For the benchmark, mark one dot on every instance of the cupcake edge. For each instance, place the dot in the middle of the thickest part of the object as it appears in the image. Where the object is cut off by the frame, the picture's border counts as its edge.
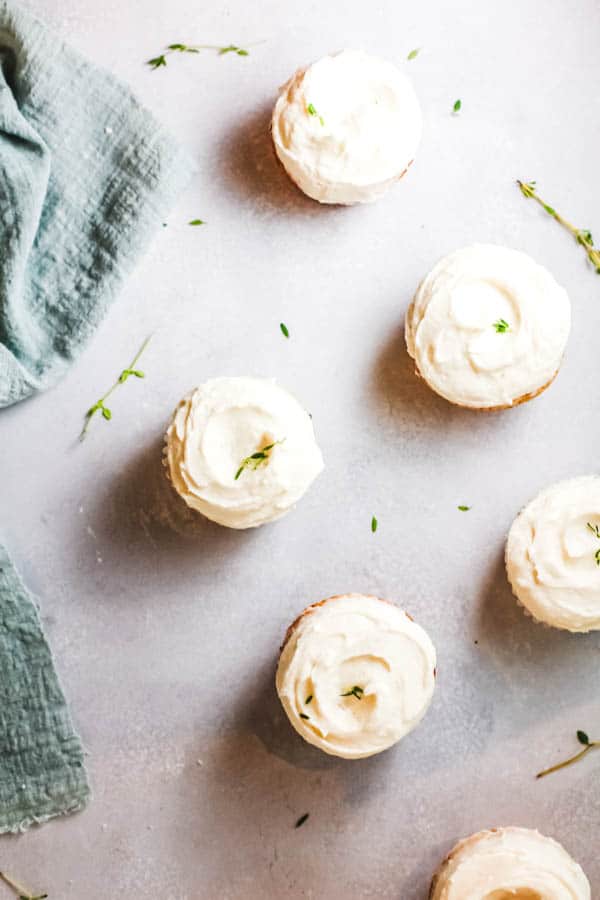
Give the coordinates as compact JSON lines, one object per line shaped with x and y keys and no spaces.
{"x":524,"y":398}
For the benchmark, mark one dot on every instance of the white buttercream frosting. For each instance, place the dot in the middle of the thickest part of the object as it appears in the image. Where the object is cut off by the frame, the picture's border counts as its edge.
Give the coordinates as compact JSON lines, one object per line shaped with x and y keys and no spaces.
{"x":363,"y":132}
{"x":455,"y":326}
{"x":553,"y":555}
{"x":363,"y":644}
{"x":510,"y":864}
{"x":222,"y":423}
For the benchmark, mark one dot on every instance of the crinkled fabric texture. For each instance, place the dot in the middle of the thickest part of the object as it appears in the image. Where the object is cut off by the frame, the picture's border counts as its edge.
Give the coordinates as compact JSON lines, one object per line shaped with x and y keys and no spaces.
{"x":86,"y":177}
{"x":41,"y":758}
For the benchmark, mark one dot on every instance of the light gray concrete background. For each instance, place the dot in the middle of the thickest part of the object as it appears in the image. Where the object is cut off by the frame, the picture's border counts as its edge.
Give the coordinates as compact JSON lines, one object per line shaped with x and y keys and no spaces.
{"x":166,"y":633}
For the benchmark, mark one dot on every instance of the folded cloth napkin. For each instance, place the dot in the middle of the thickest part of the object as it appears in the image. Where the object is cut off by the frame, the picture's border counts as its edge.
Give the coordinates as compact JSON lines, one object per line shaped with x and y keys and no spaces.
{"x":86,"y":177}
{"x":41,"y":758}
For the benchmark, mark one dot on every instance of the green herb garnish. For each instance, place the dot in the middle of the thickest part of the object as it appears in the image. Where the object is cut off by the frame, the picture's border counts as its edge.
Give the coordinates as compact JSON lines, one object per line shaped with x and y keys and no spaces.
{"x":310,"y":109}
{"x":100,"y":405}
{"x":308,"y":699}
{"x":374,"y":524}
{"x":19,"y":890}
{"x":161,"y":60}
{"x":355,"y":691}
{"x":260,"y":458}
{"x":595,"y":529}
{"x":457,"y":106}
{"x":197,"y":222}
{"x":464,"y":508}
{"x":301,"y":820}
{"x":582,"y":235}
{"x":413,"y":54}
{"x":284,"y":329}
{"x":587,"y":746}
{"x":501,"y":326}
{"x":157,"y":61}
{"x":231,"y":48}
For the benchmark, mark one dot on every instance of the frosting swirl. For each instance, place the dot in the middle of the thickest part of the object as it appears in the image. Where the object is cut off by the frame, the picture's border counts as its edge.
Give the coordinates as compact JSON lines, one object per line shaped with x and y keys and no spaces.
{"x":221,"y":424}
{"x":347,"y":127}
{"x":488,"y":327}
{"x":355,"y":675}
{"x":510,"y":864}
{"x":553,"y":555}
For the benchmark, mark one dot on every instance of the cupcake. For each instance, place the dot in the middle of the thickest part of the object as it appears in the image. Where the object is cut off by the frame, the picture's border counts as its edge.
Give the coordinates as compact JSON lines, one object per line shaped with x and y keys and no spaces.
{"x":347,"y":127}
{"x":355,"y":675}
{"x":488,"y":327}
{"x":241,"y":451}
{"x":509,"y":862}
{"x":553,"y":555}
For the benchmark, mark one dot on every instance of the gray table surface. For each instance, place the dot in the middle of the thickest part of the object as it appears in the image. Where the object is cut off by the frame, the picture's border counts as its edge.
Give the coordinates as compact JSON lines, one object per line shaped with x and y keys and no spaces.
{"x":166,"y":631}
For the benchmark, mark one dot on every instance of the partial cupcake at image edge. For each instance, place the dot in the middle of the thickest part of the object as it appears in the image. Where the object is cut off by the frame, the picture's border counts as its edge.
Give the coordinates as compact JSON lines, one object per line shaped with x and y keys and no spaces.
{"x":241,"y":451}
{"x":553,"y":555}
{"x":347,"y":127}
{"x":509,"y":862}
{"x":355,"y":675}
{"x":488,"y":327}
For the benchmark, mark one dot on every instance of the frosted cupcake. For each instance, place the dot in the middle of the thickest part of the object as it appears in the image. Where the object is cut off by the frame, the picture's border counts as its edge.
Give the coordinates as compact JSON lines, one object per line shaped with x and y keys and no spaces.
{"x":241,"y":451}
{"x":488,"y":327}
{"x":347,"y":127}
{"x":509,"y":862}
{"x":553,"y":555}
{"x":355,"y":675}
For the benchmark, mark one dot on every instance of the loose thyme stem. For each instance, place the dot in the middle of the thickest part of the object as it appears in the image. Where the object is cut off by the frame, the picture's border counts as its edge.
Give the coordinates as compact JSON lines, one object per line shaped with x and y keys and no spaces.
{"x":582,"y":235}
{"x":588,"y":745}
{"x":22,"y":893}
{"x":161,"y":60}
{"x":100,"y":405}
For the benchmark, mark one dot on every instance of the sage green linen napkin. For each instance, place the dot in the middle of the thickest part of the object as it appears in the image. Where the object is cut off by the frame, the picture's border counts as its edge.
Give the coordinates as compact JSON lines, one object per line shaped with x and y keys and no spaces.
{"x":87,"y":176}
{"x":41,"y":758}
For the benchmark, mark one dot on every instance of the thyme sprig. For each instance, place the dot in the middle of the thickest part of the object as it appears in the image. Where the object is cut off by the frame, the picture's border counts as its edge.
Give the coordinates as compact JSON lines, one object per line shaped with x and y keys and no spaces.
{"x":582,"y":235}
{"x":260,"y":458}
{"x":100,"y":405}
{"x":21,"y":892}
{"x":161,"y":60}
{"x":587,"y":746}
{"x":595,"y":529}
{"x":310,"y":109}
{"x":355,"y":691}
